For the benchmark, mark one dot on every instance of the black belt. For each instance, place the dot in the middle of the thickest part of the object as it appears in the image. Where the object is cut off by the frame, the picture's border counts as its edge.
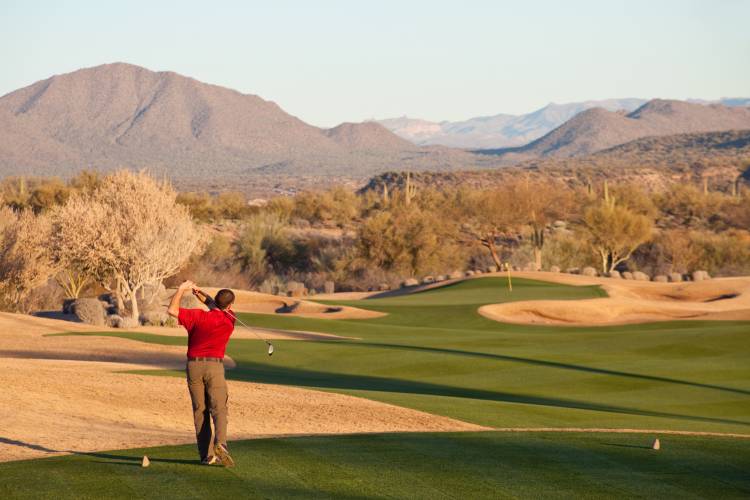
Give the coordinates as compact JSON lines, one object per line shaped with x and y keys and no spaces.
{"x":215,"y":360}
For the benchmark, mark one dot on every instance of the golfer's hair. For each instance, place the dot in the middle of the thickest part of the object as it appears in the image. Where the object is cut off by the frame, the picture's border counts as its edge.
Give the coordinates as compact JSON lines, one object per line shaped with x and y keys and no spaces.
{"x":224,"y":298}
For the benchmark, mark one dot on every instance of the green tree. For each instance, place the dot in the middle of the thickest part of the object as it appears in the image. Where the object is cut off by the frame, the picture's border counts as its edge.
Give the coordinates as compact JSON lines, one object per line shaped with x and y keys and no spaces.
{"x":615,"y":232}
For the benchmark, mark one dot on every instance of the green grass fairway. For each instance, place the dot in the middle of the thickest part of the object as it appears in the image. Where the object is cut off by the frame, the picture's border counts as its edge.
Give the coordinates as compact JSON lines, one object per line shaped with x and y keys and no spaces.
{"x":434,"y":352}
{"x":430,"y":466}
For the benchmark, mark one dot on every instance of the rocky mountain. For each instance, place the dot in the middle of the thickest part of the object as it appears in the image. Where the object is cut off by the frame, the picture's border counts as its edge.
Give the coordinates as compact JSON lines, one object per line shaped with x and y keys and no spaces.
{"x":598,"y":129}
{"x":498,"y":131}
{"x":120,"y":115}
{"x":722,"y":158}
{"x":505,"y":130}
{"x":367,"y":136}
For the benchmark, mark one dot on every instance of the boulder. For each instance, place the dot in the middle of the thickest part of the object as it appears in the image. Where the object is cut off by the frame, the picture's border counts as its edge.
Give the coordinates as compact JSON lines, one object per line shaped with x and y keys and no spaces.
{"x":554,"y":269}
{"x":67,"y":306}
{"x":154,"y":317}
{"x":627,"y":275}
{"x":700,"y":276}
{"x":384,"y":287}
{"x":559,"y":224}
{"x":588,"y":271}
{"x":114,"y":321}
{"x":297,"y":292}
{"x":478,"y":271}
{"x":469,"y":273}
{"x":675,"y":277}
{"x":573,"y":270}
{"x":455,"y":275}
{"x":329,"y":287}
{"x":661,"y":278}
{"x":639,"y":276}
{"x":491,"y":269}
{"x":614,"y":274}
{"x":90,"y":310}
{"x":128,"y":322}
{"x":427,"y":280}
{"x":409,"y":282}
{"x":440,"y":277}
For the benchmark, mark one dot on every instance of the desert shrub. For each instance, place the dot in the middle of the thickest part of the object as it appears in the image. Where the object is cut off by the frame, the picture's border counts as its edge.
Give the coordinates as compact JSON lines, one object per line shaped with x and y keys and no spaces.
{"x":408,"y":241}
{"x":677,"y":249}
{"x":48,"y":194}
{"x":687,"y":206}
{"x":736,"y":213}
{"x":232,"y":205}
{"x":614,"y":232}
{"x":635,"y":198}
{"x":567,"y":250}
{"x":25,"y":259}
{"x":337,"y":206}
{"x":200,"y":205}
{"x":261,"y":231}
{"x":90,"y":310}
{"x":282,"y":206}
{"x":723,"y":254}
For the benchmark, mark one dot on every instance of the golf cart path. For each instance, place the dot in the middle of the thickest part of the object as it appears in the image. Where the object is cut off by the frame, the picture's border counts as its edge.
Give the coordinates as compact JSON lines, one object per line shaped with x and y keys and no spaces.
{"x":64,"y":394}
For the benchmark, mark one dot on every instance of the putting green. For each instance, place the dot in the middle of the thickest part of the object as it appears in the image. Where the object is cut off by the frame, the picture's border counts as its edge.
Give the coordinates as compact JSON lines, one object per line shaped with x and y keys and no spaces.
{"x":435,"y":353}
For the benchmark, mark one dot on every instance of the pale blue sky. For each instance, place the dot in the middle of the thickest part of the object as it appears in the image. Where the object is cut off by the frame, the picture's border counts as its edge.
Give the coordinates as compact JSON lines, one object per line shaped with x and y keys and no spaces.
{"x":333,"y":61}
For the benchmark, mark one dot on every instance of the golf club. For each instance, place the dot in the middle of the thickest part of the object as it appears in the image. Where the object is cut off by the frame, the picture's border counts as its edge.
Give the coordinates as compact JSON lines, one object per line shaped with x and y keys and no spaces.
{"x":210,"y":302}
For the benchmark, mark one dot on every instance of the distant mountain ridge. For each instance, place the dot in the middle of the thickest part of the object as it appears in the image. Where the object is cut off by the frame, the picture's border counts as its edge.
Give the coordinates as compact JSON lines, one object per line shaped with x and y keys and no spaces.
{"x":121,"y":115}
{"x":597,"y":129}
{"x":506,"y":130}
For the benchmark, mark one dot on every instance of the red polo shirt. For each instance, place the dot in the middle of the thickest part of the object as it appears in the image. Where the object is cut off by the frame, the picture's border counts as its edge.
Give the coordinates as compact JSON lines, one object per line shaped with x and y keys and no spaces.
{"x":208,"y":332}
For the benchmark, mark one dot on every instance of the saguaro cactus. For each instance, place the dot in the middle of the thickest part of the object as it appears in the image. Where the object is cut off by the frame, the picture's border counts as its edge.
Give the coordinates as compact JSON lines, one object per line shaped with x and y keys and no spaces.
{"x":410,"y":190}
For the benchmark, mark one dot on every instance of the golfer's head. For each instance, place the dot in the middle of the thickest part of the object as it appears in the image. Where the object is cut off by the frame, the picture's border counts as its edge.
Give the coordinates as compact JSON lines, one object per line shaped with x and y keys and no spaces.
{"x":224,"y":298}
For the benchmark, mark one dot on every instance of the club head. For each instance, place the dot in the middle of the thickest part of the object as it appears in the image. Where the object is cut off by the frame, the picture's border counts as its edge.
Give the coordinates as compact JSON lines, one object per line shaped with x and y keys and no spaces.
{"x":270,"y":349}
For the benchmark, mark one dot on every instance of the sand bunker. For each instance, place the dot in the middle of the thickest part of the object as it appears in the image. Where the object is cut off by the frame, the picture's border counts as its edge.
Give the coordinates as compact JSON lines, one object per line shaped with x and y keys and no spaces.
{"x":255,"y":302}
{"x":630,"y":302}
{"x":62,"y":395}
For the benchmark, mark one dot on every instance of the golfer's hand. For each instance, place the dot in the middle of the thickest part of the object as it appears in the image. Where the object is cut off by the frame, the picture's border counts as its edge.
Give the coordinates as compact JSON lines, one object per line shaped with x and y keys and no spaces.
{"x":187,"y":285}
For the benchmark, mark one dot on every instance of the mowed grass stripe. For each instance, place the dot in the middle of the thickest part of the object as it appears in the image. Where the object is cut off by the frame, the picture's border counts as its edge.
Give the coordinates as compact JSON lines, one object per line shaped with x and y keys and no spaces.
{"x":453,"y":465}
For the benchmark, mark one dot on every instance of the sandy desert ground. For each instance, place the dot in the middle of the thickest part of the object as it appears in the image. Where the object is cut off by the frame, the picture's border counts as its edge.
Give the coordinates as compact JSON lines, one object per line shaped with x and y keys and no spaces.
{"x":630,"y":302}
{"x":63,"y":394}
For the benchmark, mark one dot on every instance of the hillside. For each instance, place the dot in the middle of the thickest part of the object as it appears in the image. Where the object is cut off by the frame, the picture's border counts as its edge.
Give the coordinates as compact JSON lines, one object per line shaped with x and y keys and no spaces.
{"x":123,"y":115}
{"x":368,"y":136}
{"x":501,"y":130}
{"x":652,"y":162}
{"x":597,"y":129}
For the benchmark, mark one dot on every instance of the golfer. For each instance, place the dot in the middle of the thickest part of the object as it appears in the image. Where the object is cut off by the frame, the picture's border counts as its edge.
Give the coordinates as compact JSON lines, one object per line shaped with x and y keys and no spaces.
{"x":208,"y":334}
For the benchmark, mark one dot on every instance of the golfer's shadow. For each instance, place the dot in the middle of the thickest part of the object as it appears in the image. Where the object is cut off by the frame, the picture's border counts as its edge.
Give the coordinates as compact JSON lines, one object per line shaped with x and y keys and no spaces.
{"x":133,"y":461}
{"x":123,"y":459}
{"x":620,"y":445}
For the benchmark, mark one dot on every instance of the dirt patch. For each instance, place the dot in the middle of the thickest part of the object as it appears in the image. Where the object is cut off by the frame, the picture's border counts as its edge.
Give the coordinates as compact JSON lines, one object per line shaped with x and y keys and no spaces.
{"x":630,"y":302}
{"x":62,"y":394}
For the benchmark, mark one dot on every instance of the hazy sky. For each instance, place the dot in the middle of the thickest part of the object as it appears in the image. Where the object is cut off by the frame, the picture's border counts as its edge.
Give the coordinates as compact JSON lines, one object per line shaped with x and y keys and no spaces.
{"x":333,"y":61}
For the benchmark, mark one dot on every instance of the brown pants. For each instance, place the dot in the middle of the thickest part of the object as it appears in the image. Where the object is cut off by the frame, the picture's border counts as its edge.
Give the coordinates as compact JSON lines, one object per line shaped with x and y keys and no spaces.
{"x":208,"y":392}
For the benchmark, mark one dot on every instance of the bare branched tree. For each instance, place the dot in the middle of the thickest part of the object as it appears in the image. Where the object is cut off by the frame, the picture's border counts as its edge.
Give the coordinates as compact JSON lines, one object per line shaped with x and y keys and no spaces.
{"x":126,"y":234}
{"x":25,"y":261}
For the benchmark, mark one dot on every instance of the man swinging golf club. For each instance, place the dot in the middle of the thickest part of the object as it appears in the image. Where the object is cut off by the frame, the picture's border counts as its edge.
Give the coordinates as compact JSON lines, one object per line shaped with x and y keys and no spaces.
{"x":208,"y":334}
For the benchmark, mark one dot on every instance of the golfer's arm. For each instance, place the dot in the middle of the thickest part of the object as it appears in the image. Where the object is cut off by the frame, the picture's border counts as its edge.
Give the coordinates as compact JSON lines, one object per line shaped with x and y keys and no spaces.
{"x":174,"y":305}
